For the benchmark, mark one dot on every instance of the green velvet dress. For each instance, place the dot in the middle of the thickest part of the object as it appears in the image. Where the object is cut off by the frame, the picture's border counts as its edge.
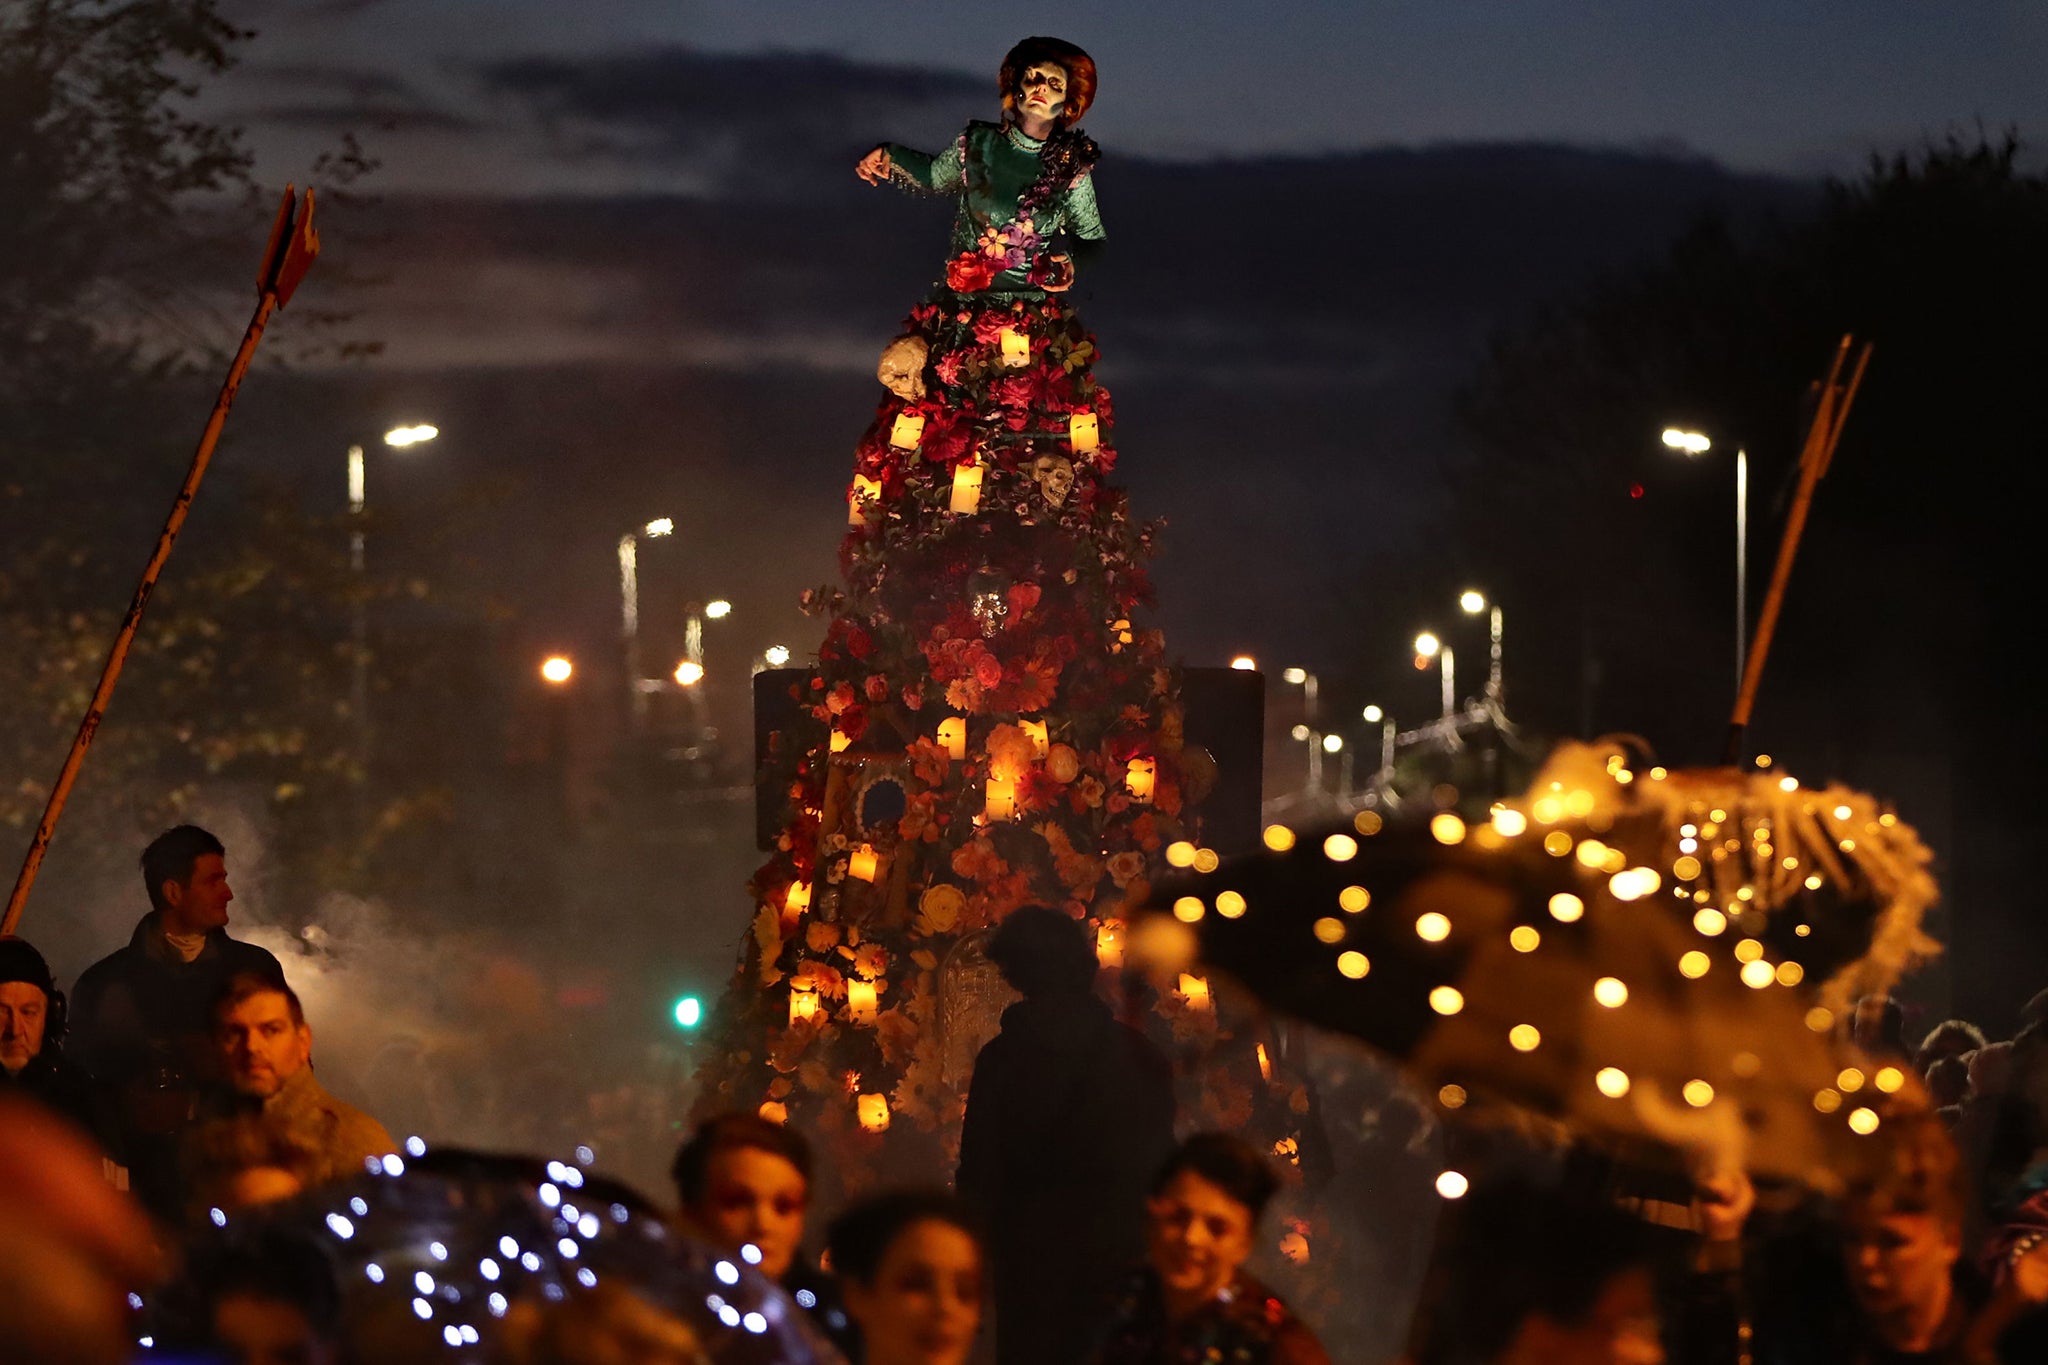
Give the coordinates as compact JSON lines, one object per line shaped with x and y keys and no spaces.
{"x":995,"y":249}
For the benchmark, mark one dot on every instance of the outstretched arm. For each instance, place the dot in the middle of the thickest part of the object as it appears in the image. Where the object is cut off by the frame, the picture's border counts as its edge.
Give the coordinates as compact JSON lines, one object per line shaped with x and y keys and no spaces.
{"x":914,"y":170}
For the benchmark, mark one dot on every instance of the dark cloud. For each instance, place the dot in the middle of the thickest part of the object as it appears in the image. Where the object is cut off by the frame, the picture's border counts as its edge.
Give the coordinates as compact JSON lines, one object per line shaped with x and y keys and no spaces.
{"x":351,"y":117}
{"x":750,"y":121}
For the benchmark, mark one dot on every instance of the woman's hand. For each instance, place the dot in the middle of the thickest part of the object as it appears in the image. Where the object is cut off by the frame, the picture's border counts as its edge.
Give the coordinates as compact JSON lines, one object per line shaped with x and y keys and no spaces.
{"x":875,"y":167}
{"x":1059,"y":273}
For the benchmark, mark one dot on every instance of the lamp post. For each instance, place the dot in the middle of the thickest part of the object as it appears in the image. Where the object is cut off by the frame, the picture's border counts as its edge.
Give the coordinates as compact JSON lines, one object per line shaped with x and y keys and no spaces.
{"x":1427,"y":647}
{"x":1306,"y":681}
{"x":1694,"y":443}
{"x":629,"y":610}
{"x":398,"y":438}
{"x":556,"y":671}
{"x":1473,"y":602}
{"x":1376,"y":716}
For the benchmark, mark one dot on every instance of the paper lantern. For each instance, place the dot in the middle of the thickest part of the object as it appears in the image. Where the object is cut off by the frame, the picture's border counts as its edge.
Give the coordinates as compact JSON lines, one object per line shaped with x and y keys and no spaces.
{"x":874,"y":1112}
{"x":1084,"y":431}
{"x":803,"y":1004}
{"x":1194,"y":990}
{"x":967,"y":488}
{"x":866,"y":493}
{"x":839,"y":741}
{"x":1002,"y":798}
{"x":864,"y":863}
{"x":1041,"y":742}
{"x":907,"y":431}
{"x":1109,"y":944}
{"x":1138,"y":777}
{"x":860,"y":1001}
{"x":799,"y":898}
{"x":953,"y":737}
{"x":1016,"y":348}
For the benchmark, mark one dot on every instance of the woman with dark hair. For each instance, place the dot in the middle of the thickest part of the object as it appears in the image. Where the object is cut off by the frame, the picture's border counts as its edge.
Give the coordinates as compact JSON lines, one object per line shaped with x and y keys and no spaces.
{"x":909,"y":1271}
{"x":1018,"y":183}
{"x":742,"y":1181}
{"x":1194,"y":1301}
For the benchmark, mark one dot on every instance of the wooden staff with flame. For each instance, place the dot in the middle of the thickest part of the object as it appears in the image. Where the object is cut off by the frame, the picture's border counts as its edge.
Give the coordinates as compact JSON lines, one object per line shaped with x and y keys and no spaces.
{"x":293,"y":246}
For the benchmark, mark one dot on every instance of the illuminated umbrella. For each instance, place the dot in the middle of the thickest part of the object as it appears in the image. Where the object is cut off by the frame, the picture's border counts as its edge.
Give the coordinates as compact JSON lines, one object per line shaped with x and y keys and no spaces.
{"x":1535,"y":962}
{"x":459,"y":1256}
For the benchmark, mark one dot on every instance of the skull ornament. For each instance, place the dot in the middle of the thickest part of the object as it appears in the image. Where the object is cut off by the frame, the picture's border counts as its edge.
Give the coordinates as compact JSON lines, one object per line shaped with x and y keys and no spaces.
{"x":901,"y":369}
{"x":1055,"y":475}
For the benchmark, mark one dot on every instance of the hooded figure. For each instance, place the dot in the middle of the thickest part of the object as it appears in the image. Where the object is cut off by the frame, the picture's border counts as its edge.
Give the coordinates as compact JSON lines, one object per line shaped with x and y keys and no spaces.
{"x":1069,"y":1114}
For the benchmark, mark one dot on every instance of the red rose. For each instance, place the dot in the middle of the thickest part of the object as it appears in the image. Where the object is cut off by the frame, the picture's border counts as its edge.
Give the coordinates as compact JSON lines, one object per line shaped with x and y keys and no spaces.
{"x":988,"y":670}
{"x":853,"y":722}
{"x":877,"y":688}
{"x":970,"y":272}
{"x":857,"y":642}
{"x":1023,"y":597}
{"x":913,"y":697}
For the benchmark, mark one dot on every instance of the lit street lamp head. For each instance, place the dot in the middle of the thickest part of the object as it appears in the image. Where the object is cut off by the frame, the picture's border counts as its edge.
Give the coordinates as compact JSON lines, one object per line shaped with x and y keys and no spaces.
{"x":1473,"y":601}
{"x":411,"y":436}
{"x":775,"y":656}
{"x":1332,"y":743}
{"x":1427,"y":645}
{"x":1373,"y":715}
{"x":557,"y":669}
{"x":1301,"y":732}
{"x":1691,"y":442}
{"x":1245,"y":663}
{"x":718,"y":610}
{"x":689,"y":673}
{"x":1297,"y":676}
{"x":660,"y":526}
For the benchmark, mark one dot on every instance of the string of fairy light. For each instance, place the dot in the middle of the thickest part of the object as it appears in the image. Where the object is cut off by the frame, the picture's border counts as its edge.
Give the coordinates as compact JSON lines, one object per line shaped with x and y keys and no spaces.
{"x":1734,"y":862}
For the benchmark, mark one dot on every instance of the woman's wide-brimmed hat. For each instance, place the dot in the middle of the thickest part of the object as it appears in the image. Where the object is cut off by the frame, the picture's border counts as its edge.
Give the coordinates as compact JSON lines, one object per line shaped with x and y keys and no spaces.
{"x":1078,"y":65}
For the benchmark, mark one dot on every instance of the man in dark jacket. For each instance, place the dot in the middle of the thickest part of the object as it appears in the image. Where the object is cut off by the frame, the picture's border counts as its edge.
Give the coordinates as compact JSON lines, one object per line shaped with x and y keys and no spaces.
{"x":32,"y":1060}
{"x":1068,"y":1116}
{"x":141,"y":1015}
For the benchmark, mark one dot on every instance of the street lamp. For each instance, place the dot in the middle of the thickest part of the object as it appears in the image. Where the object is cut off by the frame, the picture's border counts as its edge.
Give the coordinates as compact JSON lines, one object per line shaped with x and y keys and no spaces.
{"x":629,"y":607}
{"x":1427,"y":647}
{"x":1245,"y":663}
{"x":398,"y":438}
{"x":1473,"y":602}
{"x":557,"y":669}
{"x":1694,"y":443}
{"x":775,"y":656}
{"x":689,"y":673}
{"x":1375,"y":715}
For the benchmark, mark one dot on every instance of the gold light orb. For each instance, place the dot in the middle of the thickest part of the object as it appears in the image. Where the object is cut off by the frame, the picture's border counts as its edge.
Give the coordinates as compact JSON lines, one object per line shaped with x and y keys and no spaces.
{"x":1509,"y":822}
{"x":1340,"y":848}
{"x":1850,"y":1081}
{"x":1863,"y":1121}
{"x":1447,"y":828}
{"x":1827,"y":1101}
{"x":1353,"y":964}
{"x":1279,"y":838}
{"x":1820,"y":1019}
{"x":1748,"y":950}
{"x":1790,"y":973}
{"x":1524,"y":1038}
{"x":1698,"y":1094}
{"x":1889,"y":1079}
{"x":1613,"y":1082}
{"x":1207,"y":860}
{"x":1523,"y":938}
{"x":1557,"y":843}
{"x":1452,"y":1185}
{"x":1710,"y":922}
{"x":1367,"y":822}
{"x":1230,"y":905}
{"x":1433,"y":927}
{"x":1446,"y":1000}
{"x":1452,"y":1097}
{"x":1611,"y":992}
{"x":1565,"y":908}
{"x":1352,"y":900}
{"x":1757,"y":975}
{"x":1694,"y":965}
{"x":1180,"y":853}
{"x":1189,"y":909}
{"x":1329,"y":929}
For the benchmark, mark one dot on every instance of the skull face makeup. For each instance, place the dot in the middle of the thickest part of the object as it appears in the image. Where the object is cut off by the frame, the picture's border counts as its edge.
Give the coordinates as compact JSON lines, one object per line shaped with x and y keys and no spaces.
{"x":1055,"y":475}
{"x":1042,"y":91}
{"x":902,"y":367}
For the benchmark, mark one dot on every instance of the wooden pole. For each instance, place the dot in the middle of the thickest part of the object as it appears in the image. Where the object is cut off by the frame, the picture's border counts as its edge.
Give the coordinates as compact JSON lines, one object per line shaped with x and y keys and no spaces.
{"x":1821,"y":437}
{"x":293,"y":245}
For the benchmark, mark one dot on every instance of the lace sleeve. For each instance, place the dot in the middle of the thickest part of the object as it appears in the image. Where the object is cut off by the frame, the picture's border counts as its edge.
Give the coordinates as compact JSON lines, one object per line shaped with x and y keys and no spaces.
{"x":922,"y":173}
{"x":1084,"y":220}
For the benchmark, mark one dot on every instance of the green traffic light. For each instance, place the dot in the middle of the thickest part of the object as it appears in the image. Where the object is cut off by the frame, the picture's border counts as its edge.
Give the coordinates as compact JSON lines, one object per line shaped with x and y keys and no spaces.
{"x":689,"y":1012}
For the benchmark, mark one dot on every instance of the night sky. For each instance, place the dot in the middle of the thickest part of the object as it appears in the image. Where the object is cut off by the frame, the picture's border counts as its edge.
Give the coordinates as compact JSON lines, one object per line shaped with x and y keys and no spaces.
{"x":617,"y":253}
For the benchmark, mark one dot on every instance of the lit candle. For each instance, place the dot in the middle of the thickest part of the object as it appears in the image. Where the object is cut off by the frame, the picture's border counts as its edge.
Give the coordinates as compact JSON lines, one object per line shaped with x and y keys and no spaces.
{"x":775,"y":1111}
{"x":1084,"y":431}
{"x":1002,"y":798}
{"x":860,"y":1001}
{"x":799,"y":898}
{"x":1194,"y":990}
{"x":1138,"y":778}
{"x":874,"y":1112}
{"x":866,"y":494}
{"x":1016,"y":348}
{"x":1041,"y":743}
{"x":1265,"y":1064}
{"x":953,"y":737}
{"x":803,"y":1004}
{"x":967,"y":488}
{"x":1109,"y":944}
{"x":839,"y":741}
{"x":863,"y":863}
{"x":908,"y":430}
